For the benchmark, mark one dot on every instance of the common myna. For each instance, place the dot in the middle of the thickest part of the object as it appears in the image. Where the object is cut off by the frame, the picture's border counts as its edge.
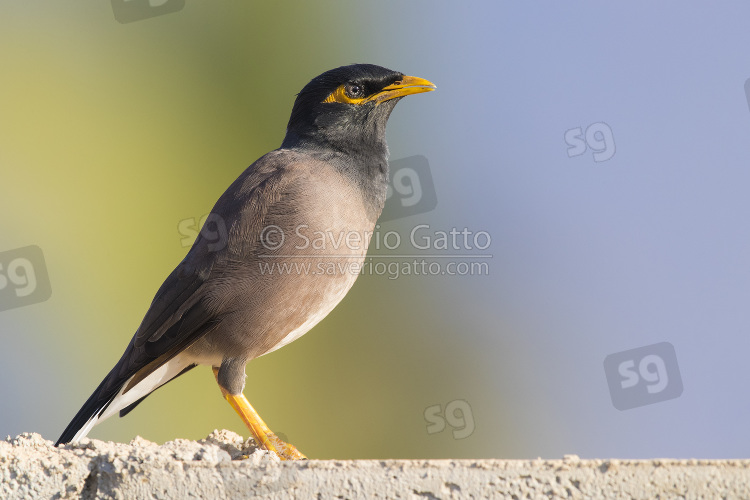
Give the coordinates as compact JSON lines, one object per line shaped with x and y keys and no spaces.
{"x":297,"y":224}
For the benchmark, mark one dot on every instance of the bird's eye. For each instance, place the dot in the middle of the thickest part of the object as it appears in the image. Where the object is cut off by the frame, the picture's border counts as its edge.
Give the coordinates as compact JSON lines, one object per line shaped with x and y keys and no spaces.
{"x":354,"y":90}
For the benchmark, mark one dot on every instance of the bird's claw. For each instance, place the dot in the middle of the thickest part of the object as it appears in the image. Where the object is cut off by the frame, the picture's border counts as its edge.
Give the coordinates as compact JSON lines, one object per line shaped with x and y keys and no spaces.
{"x":283,"y":450}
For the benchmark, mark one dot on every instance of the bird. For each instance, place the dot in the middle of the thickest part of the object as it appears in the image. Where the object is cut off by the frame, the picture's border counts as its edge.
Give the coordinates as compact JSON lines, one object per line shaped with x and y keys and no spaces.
{"x":263,"y":282}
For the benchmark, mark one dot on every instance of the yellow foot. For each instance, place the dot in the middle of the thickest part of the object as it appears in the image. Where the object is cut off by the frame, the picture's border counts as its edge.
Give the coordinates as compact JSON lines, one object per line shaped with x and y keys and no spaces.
{"x":284,"y":451}
{"x":265,"y":438}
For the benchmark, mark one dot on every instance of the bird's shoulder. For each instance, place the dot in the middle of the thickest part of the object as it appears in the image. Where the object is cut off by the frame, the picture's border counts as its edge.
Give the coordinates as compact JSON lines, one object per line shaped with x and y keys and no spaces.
{"x":261,"y":184}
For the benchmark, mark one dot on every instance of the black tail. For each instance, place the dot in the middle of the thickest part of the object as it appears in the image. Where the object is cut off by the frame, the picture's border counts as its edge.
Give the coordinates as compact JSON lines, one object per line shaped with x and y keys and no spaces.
{"x":94,"y":406}
{"x":143,"y":359}
{"x":99,"y":401}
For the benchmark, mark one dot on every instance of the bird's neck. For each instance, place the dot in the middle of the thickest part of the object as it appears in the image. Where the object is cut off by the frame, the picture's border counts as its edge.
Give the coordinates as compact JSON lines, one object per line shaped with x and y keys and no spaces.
{"x":360,"y":143}
{"x":366,"y":166}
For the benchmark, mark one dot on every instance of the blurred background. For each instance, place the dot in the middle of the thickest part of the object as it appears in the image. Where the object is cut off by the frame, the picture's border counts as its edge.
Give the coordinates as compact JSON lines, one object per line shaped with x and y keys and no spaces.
{"x":603,"y":148}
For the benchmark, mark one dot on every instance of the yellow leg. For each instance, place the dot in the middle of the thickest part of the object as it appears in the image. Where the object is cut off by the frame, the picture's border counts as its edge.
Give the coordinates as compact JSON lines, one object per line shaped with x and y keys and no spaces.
{"x":262,"y":434}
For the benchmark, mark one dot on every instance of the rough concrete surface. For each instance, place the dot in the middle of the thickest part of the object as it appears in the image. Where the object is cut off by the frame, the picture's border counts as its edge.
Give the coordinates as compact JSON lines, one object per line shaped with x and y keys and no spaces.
{"x":225,"y":466}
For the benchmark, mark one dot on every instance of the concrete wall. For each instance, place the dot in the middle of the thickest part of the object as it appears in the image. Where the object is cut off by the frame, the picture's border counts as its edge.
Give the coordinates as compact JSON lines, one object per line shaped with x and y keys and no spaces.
{"x":222,"y":466}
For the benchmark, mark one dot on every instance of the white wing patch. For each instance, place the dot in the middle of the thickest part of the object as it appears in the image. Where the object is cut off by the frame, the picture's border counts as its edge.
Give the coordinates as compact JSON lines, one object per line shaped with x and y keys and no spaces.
{"x":159,"y":377}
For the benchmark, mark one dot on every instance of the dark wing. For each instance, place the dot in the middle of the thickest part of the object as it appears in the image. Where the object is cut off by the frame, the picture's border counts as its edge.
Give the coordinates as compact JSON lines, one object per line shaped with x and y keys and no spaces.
{"x":180,"y":313}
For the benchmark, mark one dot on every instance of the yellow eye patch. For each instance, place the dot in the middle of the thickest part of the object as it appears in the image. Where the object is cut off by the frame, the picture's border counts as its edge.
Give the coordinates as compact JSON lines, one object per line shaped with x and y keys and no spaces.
{"x":339,"y":95}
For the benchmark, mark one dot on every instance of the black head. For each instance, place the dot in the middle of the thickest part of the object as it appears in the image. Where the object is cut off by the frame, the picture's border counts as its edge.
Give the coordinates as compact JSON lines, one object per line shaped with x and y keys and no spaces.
{"x":347,"y":108}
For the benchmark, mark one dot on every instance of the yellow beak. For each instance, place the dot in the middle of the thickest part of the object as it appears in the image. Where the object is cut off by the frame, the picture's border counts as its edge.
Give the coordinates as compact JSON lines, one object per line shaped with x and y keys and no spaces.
{"x":406,"y":86}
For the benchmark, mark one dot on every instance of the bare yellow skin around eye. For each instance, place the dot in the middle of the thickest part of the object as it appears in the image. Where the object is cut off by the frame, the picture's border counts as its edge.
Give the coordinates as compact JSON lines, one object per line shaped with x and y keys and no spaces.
{"x":339,"y":95}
